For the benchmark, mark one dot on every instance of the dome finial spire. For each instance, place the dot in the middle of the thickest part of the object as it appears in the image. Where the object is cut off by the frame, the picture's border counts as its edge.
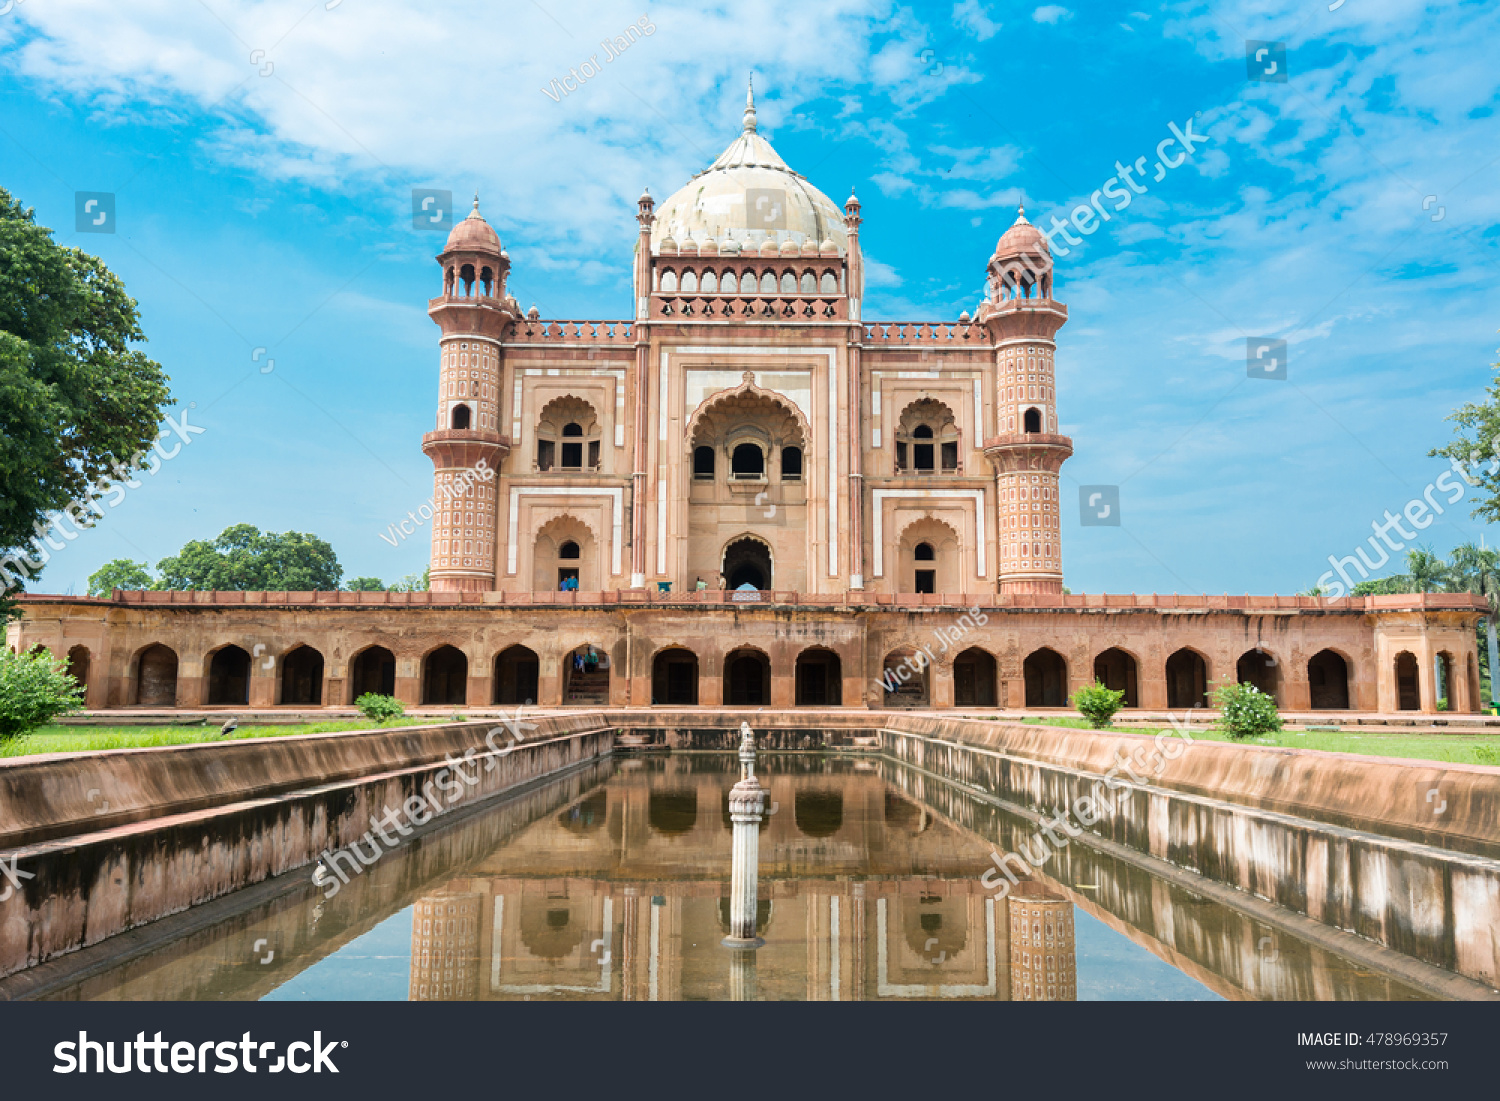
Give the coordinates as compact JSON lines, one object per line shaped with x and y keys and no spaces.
{"x":750,"y":105}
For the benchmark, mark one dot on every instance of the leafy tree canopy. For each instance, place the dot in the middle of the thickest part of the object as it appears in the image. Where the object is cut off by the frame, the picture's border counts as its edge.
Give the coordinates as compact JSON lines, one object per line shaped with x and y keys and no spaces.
{"x":78,"y":403}
{"x":1476,"y":448}
{"x":244,"y":559}
{"x":366,"y":585}
{"x":121,"y":573}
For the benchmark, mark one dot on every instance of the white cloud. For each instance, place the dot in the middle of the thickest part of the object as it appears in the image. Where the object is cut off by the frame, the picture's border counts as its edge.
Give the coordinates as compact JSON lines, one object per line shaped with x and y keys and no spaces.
{"x":1051,"y":13}
{"x":974,"y":18}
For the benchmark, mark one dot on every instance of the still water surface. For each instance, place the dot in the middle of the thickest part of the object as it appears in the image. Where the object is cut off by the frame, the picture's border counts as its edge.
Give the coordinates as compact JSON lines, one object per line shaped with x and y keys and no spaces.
{"x":611,"y":884}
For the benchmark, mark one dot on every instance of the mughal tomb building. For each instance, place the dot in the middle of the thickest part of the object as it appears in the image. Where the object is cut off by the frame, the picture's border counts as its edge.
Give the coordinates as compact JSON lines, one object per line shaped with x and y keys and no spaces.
{"x":882,"y":501}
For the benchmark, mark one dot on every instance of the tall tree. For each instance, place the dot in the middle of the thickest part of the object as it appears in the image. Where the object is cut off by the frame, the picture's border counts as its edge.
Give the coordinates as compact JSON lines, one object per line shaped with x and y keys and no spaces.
{"x":1427,"y":571}
{"x":1475,"y":448}
{"x":79,"y":404}
{"x":244,"y":559}
{"x":120,"y":573}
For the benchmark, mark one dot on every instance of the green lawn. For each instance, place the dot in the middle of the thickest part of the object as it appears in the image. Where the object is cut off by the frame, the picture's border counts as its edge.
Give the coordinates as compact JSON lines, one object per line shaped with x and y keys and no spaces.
{"x":83,"y":739}
{"x":1460,"y":749}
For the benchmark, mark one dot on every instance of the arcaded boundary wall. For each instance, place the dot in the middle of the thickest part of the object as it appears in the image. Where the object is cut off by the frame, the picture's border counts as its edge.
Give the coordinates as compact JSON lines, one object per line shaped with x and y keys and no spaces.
{"x":1344,"y":840}
{"x":110,"y":841}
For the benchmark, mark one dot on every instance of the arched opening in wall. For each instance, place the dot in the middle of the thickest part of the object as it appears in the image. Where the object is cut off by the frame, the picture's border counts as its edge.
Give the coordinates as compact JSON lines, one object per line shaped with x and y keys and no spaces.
{"x":567,"y":435}
{"x":747,"y":679}
{"x":1258,"y":668}
{"x":1116,"y":670}
{"x":922,"y":458}
{"x":229,"y":677}
{"x":935,"y":926}
{"x":926,"y":436}
{"x":586,"y":816}
{"x":924,"y":576}
{"x":1046,"y":675}
{"x":928,"y":558}
{"x":1408,"y":688}
{"x":974,"y":679}
{"x":372,"y":672}
{"x":156,"y":677}
{"x":572,"y":446}
{"x":672,"y":812}
{"x":586,"y":677}
{"x":818,"y":813}
{"x":820,"y":678}
{"x":549,"y":928}
{"x":747,"y":561}
{"x":1328,"y":681}
{"x":1187,"y":680}
{"x":1442,"y":680}
{"x":703,"y":464}
{"x":461,"y":416}
{"x":565,"y":557}
{"x":302,"y":677}
{"x":517,"y":670}
{"x":445,"y":677}
{"x":77,"y":666}
{"x":747,"y":462}
{"x":791,"y":464}
{"x":904,"y":678}
{"x":674,"y":678}
{"x":1475,"y":702}
{"x":1033,"y":420}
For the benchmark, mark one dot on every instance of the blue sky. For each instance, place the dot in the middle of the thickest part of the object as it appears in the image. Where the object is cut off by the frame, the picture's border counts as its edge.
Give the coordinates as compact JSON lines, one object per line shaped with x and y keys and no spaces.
{"x":1351,"y":210}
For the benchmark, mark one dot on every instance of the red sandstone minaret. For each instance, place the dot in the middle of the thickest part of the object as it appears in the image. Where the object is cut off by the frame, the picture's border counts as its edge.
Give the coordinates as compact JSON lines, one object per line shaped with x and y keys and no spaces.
{"x":467,"y":447}
{"x":1028,"y":451}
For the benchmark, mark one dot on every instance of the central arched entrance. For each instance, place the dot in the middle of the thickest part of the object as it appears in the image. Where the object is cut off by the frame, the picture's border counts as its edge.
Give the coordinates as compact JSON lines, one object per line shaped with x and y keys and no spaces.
{"x":747,"y":679}
{"x":517,"y":670}
{"x":747,"y":561}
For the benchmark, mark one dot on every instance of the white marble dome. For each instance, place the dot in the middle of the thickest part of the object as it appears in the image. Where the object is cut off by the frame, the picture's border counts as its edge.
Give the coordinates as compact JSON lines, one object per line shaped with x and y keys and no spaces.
{"x":716,"y":203}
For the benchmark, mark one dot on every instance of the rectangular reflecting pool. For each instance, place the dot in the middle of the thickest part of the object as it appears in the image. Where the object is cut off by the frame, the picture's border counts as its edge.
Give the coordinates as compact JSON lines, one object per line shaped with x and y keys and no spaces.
{"x":611,"y":883}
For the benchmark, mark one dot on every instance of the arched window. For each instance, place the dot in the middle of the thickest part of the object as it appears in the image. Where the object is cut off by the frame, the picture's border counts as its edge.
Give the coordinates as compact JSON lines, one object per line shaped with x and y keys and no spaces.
{"x":689,"y":283}
{"x":925,"y":580}
{"x":748,"y":461}
{"x":572,"y":446}
{"x":460,"y":416}
{"x":926,"y":431}
{"x":1033,"y":420}
{"x":669,"y":281}
{"x":728,"y":284}
{"x":809,"y":283}
{"x":788,"y":283}
{"x":830,"y":283}
{"x":568,"y":550}
{"x":791,"y":464}
{"x":922,"y":447}
{"x":703,"y":463}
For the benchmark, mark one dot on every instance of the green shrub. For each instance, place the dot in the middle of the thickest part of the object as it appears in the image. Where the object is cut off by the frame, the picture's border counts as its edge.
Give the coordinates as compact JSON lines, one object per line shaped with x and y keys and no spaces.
{"x":34,"y":688}
{"x":1442,"y":704}
{"x":378,"y":708}
{"x":1098,"y":704}
{"x":1245,"y":711}
{"x":1487,"y":754}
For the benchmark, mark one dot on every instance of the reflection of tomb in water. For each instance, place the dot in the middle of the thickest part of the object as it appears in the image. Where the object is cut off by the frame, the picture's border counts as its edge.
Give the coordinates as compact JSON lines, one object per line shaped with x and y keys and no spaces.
{"x":863,"y":895}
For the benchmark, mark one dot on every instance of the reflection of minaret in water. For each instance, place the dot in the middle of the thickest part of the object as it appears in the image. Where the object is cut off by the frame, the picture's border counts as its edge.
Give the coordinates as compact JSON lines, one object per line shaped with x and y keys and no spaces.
{"x":747,"y":802}
{"x":1043,"y":963}
{"x":444,"y":948}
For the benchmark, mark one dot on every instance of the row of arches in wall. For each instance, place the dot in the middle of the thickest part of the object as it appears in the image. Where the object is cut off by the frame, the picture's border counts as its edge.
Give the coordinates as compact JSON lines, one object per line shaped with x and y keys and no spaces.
{"x":711,"y":281}
{"x":1046,"y":678}
{"x":818,"y":676}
